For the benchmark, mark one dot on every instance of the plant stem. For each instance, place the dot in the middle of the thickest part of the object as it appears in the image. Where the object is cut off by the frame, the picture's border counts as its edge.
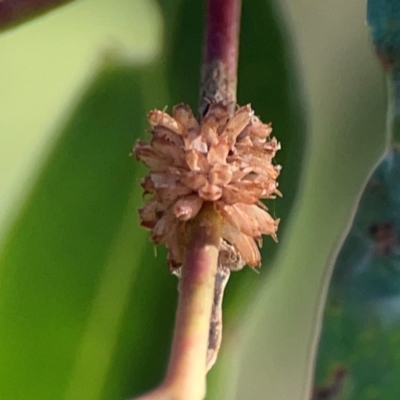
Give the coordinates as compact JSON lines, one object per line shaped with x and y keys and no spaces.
{"x":13,"y":12}
{"x":188,"y":360}
{"x":198,"y":323}
{"x":186,"y":374}
{"x":220,"y":58}
{"x":219,"y":84}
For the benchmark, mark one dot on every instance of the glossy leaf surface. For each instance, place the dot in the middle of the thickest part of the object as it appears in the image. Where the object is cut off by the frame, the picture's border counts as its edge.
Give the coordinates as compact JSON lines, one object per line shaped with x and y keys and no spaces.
{"x":361,"y":327}
{"x":357,"y":356}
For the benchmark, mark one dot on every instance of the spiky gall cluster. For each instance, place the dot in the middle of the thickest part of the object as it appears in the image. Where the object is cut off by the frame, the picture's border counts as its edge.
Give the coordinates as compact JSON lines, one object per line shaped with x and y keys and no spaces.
{"x":225,"y":160}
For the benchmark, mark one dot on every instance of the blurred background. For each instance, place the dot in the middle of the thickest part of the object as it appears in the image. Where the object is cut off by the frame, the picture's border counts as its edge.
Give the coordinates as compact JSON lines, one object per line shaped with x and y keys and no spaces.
{"x":86,"y":308}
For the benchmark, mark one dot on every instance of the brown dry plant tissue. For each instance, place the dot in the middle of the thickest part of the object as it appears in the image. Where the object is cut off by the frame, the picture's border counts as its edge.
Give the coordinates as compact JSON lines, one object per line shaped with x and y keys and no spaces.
{"x":226,"y":161}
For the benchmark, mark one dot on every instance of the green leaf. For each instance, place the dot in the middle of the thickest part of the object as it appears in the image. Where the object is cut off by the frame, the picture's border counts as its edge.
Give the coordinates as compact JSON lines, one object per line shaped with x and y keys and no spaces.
{"x":80,"y":283}
{"x":47,"y":65}
{"x":276,"y":343}
{"x":66,"y":266}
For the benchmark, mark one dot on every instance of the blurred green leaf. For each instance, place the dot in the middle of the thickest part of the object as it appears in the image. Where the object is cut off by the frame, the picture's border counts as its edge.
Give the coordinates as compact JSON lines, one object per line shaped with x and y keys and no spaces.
{"x":344,"y":107}
{"x":45,"y":68}
{"x":81,"y":288}
{"x":71,"y":260}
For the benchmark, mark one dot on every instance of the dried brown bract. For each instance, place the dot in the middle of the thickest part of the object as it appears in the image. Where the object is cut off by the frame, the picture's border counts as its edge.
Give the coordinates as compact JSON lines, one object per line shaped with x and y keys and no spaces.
{"x":224,"y":160}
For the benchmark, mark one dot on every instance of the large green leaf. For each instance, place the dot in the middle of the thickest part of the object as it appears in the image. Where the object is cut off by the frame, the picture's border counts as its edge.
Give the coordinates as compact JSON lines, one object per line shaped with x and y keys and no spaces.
{"x":46,"y":66}
{"x":346,"y":119}
{"x":70,"y":260}
{"x":80,"y":287}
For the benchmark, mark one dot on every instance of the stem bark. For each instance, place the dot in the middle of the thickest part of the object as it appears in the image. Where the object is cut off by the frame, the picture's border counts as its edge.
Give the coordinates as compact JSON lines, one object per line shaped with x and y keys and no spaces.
{"x":186,"y":374}
{"x":220,"y":57}
{"x":14,"y":12}
{"x":191,"y":356}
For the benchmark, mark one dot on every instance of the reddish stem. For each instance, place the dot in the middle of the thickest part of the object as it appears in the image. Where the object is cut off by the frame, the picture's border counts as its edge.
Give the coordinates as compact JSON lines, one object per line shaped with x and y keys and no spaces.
{"x":186,"y":374}
{"x":220,"y":58}
{"x":191,"y":353}
{"x":13,"y":12}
